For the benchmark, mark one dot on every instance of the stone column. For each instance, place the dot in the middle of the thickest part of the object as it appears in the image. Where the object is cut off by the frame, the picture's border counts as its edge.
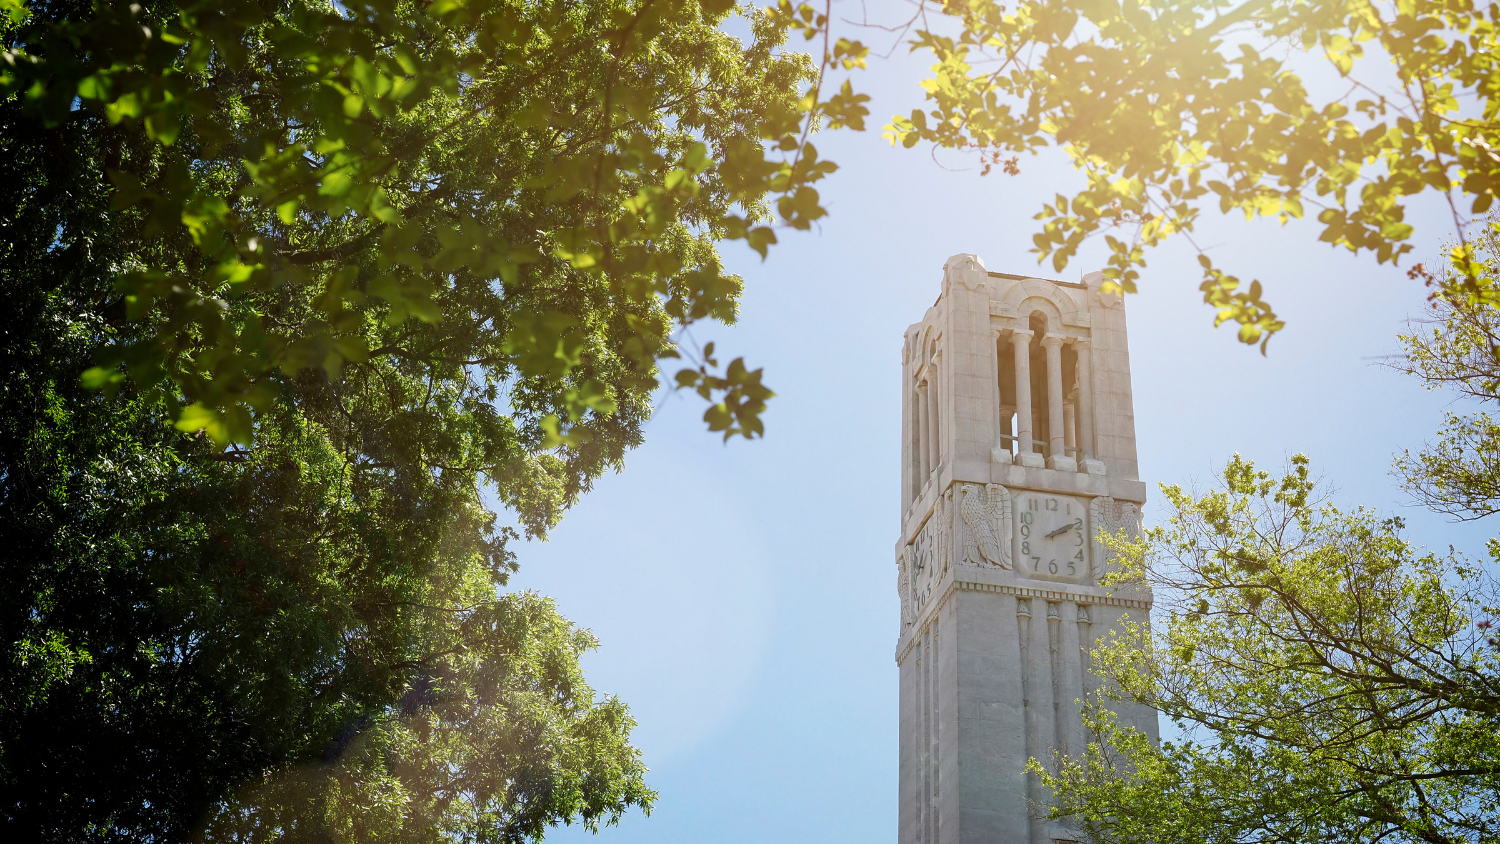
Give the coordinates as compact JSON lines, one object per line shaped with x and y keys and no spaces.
{"x":1007,"y":413}
{"x":916,"y":441}
{"x":1071,"y":739}
{"x":1084,"y":350}
{"x":1070,"y":436}
{"x":935,"y":410}
{"x":1028,"y":713}
{"x":1057,"y":650}
{"x":923,"y":438}
{"x":1000,"y":451}
{"x":1079,"y":681}
{"x":914,"y":444}
{"x":1041,"y":730}
{"x":1057,"y":456}
{"x":1021,"y":340}
{"x":1070,"y":681}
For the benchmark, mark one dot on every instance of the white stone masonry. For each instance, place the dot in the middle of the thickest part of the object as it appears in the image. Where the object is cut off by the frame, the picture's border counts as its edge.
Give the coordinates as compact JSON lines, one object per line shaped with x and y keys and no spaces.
{"x":1019,"y":449}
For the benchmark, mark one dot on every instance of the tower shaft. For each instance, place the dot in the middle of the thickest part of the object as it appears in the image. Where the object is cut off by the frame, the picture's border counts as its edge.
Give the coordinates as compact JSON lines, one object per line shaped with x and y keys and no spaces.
{"x":1019,"y":450}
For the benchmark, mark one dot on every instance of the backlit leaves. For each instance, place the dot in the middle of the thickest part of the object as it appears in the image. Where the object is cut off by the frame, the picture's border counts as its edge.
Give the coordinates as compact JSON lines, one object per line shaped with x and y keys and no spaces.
{"x":314,"y":154}
{"x":1170,"y":107}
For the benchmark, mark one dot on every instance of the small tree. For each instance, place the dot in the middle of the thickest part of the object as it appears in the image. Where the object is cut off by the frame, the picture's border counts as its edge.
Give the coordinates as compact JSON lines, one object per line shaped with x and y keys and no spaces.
{"x":1332,"y":683}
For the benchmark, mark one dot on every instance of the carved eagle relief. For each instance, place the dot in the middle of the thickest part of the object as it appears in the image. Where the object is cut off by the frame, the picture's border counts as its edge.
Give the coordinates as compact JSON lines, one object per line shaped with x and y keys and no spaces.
{"x":1112,"y":517}
{"x":986,"y":518}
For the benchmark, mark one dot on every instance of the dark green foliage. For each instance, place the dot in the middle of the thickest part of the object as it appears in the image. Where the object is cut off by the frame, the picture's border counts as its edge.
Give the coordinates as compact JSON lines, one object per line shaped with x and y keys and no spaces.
{"x":181,"y":621}
{"x":287,"y":287}
{"x":533,"y":189}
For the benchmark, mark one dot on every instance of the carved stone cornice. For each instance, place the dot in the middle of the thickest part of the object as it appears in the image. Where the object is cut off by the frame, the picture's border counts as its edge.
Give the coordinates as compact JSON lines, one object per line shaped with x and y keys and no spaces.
{"x":904,"y":645}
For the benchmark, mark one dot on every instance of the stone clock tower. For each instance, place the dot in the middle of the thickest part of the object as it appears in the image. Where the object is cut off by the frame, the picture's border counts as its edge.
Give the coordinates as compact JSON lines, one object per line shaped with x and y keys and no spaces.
{"x":1018,"y":448}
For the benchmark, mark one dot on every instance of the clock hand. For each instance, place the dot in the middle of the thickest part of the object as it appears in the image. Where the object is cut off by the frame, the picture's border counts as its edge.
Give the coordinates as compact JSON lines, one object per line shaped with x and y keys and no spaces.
{"x":1064,"y":529}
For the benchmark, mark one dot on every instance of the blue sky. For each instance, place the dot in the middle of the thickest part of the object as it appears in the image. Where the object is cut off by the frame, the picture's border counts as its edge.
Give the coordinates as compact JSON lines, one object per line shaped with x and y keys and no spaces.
{"x":745,"y":593}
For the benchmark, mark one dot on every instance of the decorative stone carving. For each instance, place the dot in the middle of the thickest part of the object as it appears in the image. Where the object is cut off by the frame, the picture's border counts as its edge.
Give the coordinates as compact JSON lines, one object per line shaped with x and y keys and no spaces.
{"x":1024,"y":296}
{"x":925,"y":566}
{"x":968,"y":268}
{"x":986,"y":520}
{"x":903,"y":587}
{"x":945,"y":531}
{"x":1106,"y":515}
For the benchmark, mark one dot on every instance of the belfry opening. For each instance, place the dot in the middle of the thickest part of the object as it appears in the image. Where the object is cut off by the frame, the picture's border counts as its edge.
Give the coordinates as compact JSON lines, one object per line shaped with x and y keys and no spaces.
{"x":1047,"y":420}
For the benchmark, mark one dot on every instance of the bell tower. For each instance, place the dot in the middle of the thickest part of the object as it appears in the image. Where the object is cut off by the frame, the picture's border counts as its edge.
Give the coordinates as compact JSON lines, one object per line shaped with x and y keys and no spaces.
{"x":1018,"y":449}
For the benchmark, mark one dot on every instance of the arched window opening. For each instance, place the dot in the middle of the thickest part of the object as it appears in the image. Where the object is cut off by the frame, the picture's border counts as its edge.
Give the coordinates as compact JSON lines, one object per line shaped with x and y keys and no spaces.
{"x":1006,"y":370}
{"x":926,"y":400}
{"x":1040,"y":392}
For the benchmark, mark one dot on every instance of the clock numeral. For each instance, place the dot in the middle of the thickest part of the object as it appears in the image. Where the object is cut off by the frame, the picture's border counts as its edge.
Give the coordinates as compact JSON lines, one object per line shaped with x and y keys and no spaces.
{"x":1052,"y":566}
{"x":1026,"y":549}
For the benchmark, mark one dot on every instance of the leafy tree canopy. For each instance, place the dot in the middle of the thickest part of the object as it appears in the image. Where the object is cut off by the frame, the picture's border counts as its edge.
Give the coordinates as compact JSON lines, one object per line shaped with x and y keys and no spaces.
{"x":1172,"y":106}
{"x":531,"y":190}
{"x":296,"y":292}
{"x":297,"y":641}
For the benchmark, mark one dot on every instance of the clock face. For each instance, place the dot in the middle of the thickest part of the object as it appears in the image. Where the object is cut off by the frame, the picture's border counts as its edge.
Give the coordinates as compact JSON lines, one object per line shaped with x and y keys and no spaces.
{"x":1052,"y":539}
{"x":926,"y":567}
